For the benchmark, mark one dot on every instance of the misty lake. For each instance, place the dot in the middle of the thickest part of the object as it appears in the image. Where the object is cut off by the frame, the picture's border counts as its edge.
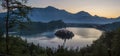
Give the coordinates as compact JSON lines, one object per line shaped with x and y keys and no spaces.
{"x":83,"y":37}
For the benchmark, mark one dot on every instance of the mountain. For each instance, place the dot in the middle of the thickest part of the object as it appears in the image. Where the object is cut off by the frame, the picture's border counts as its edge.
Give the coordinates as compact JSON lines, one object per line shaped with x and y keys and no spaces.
{"x":48,"y":14}
{"x":51,"y":13}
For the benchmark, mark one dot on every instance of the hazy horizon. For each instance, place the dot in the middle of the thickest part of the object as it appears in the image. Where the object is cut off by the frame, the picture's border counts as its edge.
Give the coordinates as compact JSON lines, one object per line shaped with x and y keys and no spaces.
{"x":104,"y":8}
{"x":76,"y":12}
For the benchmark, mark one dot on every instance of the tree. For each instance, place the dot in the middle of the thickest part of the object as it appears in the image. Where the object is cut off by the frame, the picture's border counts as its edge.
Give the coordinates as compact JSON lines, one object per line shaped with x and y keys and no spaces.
{"x":16,"y":14}
{"x":64,"y":34}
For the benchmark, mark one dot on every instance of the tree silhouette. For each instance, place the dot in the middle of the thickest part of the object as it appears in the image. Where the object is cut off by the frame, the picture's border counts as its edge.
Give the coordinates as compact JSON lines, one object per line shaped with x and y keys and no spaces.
{"x":64,"y":34}
{"x":16,"y":13}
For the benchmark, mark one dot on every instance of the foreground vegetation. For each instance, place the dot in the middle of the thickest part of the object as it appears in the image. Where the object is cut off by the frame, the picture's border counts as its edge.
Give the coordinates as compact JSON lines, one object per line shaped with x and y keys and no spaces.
{"x":106,"y":45}
{"x":19,"y":47}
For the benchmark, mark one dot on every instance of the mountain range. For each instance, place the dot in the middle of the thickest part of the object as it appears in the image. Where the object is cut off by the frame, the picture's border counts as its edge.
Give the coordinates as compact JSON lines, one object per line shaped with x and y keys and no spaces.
{"x":51,"y":13}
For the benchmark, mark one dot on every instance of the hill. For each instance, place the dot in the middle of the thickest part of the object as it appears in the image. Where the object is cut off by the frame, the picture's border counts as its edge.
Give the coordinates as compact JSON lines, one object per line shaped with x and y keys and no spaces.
{"x":51,"y":13}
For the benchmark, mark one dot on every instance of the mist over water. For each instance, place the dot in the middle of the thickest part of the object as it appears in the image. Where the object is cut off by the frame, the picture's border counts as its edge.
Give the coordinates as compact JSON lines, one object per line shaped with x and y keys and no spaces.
{"x":83,"y":37}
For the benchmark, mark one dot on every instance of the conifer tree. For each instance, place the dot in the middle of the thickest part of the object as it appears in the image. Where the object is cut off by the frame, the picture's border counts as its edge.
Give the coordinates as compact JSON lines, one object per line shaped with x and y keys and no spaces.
{"x":16,"y":13}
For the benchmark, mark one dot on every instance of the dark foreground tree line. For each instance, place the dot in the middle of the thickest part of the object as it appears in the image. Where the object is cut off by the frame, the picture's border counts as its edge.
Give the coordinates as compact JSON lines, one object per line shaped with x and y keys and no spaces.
{"x":19,"y":47}
{"x":106,"y":45}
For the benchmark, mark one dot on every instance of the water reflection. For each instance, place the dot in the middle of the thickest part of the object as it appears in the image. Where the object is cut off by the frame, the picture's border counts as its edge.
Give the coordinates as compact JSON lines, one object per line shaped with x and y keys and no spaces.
{"x":83,"y":37}
{"x":86,"y":32}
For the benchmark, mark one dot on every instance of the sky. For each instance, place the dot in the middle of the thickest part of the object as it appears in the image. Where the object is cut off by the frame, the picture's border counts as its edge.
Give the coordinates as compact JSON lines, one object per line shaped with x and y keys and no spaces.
{"x":105,"y":8}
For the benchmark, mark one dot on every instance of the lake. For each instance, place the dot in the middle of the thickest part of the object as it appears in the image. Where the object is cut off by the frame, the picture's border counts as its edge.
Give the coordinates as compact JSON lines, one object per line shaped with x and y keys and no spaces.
{"x":83,"y":37}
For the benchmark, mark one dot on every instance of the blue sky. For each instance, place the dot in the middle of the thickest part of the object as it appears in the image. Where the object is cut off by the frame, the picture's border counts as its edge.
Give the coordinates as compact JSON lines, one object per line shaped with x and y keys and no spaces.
{"x":106,"y":8}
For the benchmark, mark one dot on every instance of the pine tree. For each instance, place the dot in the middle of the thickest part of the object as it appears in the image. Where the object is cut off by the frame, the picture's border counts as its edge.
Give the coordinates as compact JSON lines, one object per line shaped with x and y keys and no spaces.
{"x":16,"y":13}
